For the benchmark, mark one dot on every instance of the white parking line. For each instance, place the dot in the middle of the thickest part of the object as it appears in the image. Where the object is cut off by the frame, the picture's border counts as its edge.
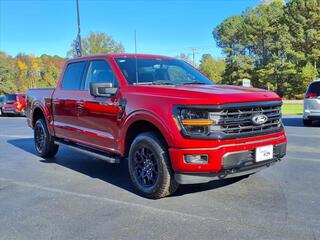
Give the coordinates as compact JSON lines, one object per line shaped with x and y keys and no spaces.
{"x":303,"y":159}
{"x":302,"y":136}
{"x":16,"y":136}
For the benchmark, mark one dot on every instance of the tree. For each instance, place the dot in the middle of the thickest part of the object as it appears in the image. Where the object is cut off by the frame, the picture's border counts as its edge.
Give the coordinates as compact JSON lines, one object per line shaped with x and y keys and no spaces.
{"x":212,"y":68}
{"x":97,"y":43}
{"x":308,"y":74}
{"x":276,"y":45}
{"x":7,"y":74}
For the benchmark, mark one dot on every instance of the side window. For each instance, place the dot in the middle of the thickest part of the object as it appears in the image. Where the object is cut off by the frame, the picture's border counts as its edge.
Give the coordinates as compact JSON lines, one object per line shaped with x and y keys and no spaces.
{"x":314,"y":88}
{"x":73,"y":76}
{"x":100,"y":72}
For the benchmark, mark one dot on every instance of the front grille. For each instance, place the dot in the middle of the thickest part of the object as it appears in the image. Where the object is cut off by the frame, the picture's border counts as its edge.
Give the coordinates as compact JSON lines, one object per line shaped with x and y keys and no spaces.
{"x":237,"y":121}
{"x":240,"y":120}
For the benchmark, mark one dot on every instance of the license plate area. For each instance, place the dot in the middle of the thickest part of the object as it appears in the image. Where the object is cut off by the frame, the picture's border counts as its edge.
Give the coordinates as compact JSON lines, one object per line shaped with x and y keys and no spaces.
{"x":264,"y":153}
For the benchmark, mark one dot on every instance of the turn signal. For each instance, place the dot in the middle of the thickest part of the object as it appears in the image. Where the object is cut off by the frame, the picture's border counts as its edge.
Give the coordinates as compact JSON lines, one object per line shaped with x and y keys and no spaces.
{"x":197,"y":122}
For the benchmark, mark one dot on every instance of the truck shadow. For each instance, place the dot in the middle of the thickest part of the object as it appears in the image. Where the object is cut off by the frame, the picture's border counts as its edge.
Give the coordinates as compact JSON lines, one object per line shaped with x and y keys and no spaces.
{"x":115,"y":174}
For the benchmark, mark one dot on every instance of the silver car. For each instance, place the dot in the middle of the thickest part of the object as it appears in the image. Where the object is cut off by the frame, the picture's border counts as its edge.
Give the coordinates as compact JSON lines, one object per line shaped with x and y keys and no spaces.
{"x":312,"y":103}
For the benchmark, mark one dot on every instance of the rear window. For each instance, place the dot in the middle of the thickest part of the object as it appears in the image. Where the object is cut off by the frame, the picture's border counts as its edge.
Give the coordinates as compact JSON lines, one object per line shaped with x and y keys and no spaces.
{"x":314,"y":88}
{"x":73,"y":75}
{"x":11,"y":97}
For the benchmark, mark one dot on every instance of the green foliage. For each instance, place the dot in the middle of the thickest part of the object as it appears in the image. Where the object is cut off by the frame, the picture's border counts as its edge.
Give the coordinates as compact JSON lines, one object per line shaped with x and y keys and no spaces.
{"x":212,"y":68}
{"x":308,"y":74}
{"x":97,"y":43}
{"x":276,"y":45}
{"x":22,"y":72}
{"x":7,"y":74}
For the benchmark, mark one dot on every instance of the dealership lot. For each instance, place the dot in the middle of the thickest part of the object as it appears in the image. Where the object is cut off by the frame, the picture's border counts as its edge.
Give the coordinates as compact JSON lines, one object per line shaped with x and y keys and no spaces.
{"x":76,"y":197}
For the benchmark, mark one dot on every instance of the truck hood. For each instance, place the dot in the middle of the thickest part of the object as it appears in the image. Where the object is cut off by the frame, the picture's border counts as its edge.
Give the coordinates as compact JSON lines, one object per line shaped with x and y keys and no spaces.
{"x":208,"y":94}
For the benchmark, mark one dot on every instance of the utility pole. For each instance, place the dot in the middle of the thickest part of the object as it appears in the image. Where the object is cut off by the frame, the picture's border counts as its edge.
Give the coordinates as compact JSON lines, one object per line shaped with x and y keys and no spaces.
{"x":78,"y":46}
{"x":135,"y":41}
{"x":193,"y":55}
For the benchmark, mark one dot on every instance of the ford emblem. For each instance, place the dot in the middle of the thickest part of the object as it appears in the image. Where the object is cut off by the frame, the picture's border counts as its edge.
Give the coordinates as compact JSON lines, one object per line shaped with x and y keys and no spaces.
{"x":259,"y":119}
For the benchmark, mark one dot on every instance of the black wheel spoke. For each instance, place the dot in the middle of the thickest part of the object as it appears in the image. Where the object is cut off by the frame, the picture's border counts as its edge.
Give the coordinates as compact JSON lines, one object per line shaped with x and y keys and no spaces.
{"x":145,"y":165}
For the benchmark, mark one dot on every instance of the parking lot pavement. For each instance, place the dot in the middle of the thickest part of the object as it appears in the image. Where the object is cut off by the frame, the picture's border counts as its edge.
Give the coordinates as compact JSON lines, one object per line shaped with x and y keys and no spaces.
{"x":76,"y":197}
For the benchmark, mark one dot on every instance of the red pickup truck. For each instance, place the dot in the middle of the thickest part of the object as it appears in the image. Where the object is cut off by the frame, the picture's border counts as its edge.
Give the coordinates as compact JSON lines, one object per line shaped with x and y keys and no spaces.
{"x":167,"y":120}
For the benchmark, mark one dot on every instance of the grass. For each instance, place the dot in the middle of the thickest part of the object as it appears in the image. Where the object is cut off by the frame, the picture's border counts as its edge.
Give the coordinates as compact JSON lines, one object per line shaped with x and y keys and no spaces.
{"x":292,"y":108}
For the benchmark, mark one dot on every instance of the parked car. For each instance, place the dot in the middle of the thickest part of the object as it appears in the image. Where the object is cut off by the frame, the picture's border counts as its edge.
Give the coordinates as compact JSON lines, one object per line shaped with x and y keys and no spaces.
{"x":2,"y":101}
{"x":168,"y":121}
{"x":312,"y":103}
{"x":15,"y":104}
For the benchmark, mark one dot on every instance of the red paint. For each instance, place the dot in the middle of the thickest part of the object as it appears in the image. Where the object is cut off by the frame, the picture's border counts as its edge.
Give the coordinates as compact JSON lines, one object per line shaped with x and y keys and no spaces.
{"x":102,"y":122}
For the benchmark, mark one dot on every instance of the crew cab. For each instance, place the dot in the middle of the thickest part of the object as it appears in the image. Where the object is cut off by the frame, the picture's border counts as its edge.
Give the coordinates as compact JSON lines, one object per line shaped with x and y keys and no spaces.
{"x":15,"y":104}
{"x":166,"y":119}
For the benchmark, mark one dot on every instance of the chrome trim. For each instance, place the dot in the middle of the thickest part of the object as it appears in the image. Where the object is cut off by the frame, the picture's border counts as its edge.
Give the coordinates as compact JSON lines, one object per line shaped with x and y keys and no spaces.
{"x":83,"y":129}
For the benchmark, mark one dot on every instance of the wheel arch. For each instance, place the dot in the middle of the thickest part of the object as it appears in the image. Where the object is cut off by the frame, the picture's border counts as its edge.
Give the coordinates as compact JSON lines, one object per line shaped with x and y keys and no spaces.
{"x":143,"y":122}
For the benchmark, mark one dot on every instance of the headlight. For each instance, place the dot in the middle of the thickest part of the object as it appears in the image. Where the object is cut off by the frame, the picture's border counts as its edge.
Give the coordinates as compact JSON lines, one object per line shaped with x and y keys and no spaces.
{"x":196,"y":121}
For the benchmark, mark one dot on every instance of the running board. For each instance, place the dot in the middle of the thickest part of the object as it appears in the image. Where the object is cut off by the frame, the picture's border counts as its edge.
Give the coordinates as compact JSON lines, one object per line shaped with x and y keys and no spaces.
{"x":89,"y":151}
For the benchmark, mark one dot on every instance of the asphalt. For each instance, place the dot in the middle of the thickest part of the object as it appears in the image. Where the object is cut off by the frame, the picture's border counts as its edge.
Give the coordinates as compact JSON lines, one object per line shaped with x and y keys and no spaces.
{"x":74,"y":196}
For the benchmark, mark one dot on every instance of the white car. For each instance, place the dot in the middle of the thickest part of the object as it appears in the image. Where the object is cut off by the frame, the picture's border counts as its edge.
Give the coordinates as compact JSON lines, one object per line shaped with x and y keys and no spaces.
{"x":312,"y":103}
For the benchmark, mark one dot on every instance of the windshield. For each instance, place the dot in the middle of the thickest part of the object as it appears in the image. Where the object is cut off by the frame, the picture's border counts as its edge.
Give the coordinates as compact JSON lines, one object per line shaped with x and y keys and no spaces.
{"x":145,"y":71}
{"x":11,"y":97}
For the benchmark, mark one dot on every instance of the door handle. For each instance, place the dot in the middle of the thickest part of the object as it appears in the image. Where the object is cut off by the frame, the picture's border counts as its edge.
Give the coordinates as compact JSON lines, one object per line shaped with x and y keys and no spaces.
{"x":56,"y":101}
{"x":80,"y":104}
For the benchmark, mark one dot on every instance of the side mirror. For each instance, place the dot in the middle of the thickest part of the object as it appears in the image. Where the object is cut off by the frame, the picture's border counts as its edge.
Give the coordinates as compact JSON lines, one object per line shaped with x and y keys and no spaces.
{"x":102,"y":89}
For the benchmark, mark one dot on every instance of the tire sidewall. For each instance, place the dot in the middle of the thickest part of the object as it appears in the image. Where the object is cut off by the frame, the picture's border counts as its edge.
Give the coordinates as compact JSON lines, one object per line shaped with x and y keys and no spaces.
{"x":160,"y":157}
{"x":42,"y":124}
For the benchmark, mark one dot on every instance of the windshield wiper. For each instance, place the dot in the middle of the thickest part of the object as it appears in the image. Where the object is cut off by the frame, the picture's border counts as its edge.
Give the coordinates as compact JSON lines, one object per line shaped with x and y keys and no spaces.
{"x":163,"y":82}
{"x":193,"y":82}
{"x":157,"y":82}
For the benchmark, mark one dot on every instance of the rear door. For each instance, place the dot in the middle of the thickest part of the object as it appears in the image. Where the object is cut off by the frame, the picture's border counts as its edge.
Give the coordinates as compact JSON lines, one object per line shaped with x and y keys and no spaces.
{"x":98,"y":116}
{"x":65,"y":101}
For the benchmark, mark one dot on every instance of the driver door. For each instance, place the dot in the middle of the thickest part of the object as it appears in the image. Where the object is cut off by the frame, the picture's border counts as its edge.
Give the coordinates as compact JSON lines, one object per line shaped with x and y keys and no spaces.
{"x":98,"y":116}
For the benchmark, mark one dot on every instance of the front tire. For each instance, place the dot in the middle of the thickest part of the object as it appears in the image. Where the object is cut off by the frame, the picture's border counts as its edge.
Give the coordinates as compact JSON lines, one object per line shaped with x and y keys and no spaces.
{"x":43,"y":141}
{"x":149,"y":167}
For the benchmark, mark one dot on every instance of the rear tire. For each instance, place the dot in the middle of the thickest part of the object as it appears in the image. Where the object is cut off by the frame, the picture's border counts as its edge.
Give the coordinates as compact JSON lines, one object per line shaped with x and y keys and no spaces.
{"x":149,"y":167}
{"x":44,"y":142}
{"x":307,"y":122}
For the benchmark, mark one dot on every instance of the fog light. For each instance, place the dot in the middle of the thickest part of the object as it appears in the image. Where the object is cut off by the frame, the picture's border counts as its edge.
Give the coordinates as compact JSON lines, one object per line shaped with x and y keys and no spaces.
{"x":198,"y":159}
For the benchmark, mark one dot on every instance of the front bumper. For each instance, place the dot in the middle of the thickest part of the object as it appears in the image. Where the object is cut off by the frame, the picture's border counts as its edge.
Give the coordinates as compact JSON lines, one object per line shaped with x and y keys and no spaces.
{"x":13,"y":111}
{"x":311,"y":114}
{"x":194,"y":178}
{"x":226,"y":160}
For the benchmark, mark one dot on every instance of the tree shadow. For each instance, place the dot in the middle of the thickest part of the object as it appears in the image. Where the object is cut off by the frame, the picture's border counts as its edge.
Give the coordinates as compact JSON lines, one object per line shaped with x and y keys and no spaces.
{"x":115,"y":174}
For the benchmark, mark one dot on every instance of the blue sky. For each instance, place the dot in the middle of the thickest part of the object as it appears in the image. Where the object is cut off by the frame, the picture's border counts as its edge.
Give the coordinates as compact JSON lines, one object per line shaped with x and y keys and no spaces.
{"x":163,"y":27}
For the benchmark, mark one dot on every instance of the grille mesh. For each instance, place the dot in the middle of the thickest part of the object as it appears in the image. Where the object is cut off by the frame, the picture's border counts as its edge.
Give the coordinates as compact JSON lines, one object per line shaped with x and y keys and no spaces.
{"x":238,"y":121}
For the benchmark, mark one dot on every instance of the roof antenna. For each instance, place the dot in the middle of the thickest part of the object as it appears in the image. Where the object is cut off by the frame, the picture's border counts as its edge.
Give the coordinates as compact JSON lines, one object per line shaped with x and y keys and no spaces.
{"x":78,"y":46}
{"x":135,"y":51}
